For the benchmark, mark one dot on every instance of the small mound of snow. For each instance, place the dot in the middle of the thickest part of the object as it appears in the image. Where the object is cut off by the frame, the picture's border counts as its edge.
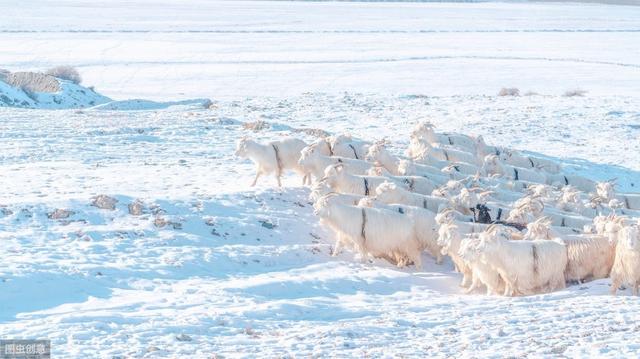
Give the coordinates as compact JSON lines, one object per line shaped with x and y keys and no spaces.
{"x":13,"y":97}
{"x":70,"y":96}
{"x":40,"y":91}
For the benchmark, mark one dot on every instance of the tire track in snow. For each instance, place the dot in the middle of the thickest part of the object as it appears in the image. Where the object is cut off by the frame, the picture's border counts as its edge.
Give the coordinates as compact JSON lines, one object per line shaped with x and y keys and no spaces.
{"x":215,"y":31}
{"x":358,"y":61}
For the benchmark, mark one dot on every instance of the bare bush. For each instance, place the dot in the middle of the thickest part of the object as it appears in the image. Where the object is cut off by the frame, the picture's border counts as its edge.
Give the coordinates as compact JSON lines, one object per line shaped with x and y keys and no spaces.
{"x":33,"y":82}
{"x":256,"y":126}
{"x":509,"y":91}
{"x":68,"y":73}
{"x":575,"y":93}
{"x":104,"y":202}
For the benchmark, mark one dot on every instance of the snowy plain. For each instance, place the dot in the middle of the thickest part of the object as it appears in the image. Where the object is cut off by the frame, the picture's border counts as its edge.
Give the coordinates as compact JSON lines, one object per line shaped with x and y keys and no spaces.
{"x":213,"y":267}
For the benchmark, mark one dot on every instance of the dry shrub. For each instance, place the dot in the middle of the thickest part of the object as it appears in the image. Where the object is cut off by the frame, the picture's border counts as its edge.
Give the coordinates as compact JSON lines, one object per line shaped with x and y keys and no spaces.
{"x":509,"y":91}
{"x":68,"y":73}
{"x":574,"y":93}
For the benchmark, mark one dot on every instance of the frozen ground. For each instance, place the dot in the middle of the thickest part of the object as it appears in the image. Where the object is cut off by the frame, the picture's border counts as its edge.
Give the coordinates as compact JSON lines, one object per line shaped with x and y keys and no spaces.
{"x":212,"y":267}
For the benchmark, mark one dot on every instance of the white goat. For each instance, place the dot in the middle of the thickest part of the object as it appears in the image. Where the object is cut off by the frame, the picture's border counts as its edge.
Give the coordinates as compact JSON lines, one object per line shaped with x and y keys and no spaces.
{"x":314,"y":163}
{"x":525,"y":210}
{"x":347,"y":146}
{"x":459,"y":170}
{"x":392,"y":193}
{"x":378,"y":171}
{"x":570,"y":200}
{"x":274,"y":157}
{"x":339,"y":198}
{"x":467,"y":200}
{"x":341,"y":181}
{"x":449,"y":189}
{"x":517,"y":159}
{"x":540,"y":229}
{"x":492,"y":165}
{"x":529,"y":208}
{"x":381,"y":156}
{"x":527,"y":267}
{"x":611,"y":226}
{"x":422,"y":148}
{"x":589,"y":256}
{"x":482,"y":149}
{"x":464,"y":227}
{"x":626,"y":266}
{"x":450,"y":239}
{"x":541,"y":190}
{"x":425,"y":130}
{"x":606,"y":193}
{"x":425,"y":225}
{"x":378,"y":232}
{"x":583,"y":184}
{"x":415,"y":184}
{"x":481,"y":272}
{"x":410,"y":168}
{"x":451,"y":168}
{"x":320,"y":190}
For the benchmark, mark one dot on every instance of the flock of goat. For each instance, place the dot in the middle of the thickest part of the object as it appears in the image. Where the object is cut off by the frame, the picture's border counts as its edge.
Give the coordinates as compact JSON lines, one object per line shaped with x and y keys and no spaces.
{"x":512,"y":223}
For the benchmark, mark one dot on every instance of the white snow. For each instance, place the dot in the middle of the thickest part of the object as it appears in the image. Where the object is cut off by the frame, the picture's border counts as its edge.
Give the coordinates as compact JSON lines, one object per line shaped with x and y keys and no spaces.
{"x":75,"y":96}
{"x":213,"y":267}
{"x":70,"y":96}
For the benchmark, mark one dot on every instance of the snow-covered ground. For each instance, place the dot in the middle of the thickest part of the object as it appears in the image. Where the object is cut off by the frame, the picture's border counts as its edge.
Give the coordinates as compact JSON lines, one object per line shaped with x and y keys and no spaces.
{"x":213,"y":267}
{"x":70,"y":95}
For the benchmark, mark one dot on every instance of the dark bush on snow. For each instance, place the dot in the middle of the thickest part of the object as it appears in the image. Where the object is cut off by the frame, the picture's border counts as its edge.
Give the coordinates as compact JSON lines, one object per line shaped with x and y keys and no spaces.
{"x":68,"y":73}
{"x":575,"y":93}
